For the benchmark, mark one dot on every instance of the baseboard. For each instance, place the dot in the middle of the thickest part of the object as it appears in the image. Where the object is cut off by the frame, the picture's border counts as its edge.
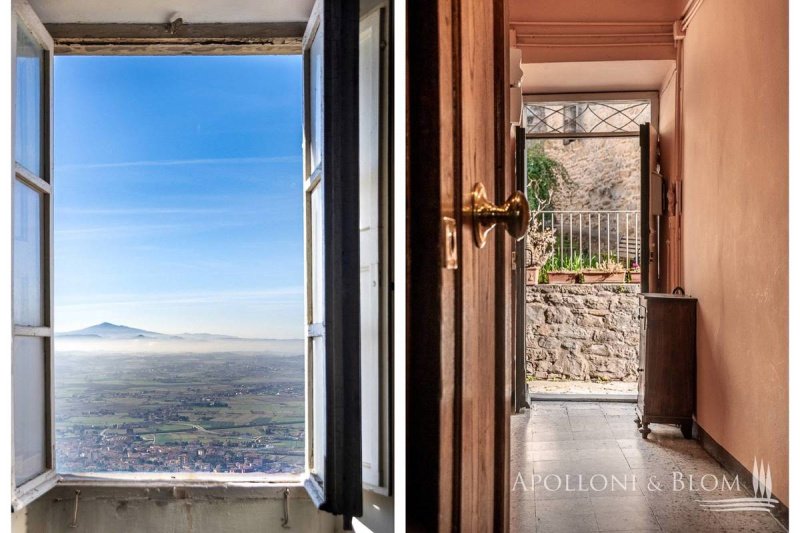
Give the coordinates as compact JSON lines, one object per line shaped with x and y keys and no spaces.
{"x":732,"y":465}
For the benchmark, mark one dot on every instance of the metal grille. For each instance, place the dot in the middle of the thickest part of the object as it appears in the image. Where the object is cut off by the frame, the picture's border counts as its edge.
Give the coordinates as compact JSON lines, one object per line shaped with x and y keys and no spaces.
{"x":585,"y":118}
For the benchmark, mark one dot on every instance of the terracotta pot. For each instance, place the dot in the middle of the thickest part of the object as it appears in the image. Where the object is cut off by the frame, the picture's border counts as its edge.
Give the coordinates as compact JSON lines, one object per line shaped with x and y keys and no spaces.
{"x":561,"y":277}
{"x":532,"y":276}
{"x":636,"y":277}
{"x":602,"y":276}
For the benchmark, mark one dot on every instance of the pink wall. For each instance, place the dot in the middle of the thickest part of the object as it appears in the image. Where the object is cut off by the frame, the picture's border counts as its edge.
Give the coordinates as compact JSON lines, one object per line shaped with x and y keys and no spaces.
{"x":736,"y":224}
{"x":568,"y":42}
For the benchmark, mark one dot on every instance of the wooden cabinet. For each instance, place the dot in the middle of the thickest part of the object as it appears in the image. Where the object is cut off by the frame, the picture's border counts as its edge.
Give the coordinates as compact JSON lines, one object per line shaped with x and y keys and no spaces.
{"x":667,"y":361}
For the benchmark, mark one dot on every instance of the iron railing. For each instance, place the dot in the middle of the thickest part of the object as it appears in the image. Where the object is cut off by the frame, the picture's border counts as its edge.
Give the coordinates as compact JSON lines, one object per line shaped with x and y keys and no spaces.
{"x":584,"y":235}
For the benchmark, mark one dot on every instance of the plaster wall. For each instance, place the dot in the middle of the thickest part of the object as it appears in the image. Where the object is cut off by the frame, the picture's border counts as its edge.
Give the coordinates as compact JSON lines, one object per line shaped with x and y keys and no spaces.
{"x":123,"y":510}
{"x":736,"y":225}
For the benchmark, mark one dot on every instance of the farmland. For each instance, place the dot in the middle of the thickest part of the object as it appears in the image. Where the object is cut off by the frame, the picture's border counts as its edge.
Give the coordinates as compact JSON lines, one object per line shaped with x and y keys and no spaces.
{"x":194,"y":412}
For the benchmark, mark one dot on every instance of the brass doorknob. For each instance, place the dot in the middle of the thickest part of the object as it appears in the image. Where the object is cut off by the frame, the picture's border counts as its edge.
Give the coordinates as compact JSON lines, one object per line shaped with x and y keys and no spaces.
{"x":515,"y":213}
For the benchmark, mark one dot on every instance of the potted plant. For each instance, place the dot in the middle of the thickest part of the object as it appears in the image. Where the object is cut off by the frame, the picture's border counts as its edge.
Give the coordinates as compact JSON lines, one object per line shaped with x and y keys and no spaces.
{"x":607,"y":271}
{"x":560,"y":270}
{"x":538,"y":250}
{"x":635,"y":273}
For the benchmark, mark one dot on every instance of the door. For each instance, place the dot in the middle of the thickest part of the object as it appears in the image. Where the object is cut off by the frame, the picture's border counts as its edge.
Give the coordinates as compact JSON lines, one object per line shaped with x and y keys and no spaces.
{"x":459,"y":309}
{"x":652,"y":207}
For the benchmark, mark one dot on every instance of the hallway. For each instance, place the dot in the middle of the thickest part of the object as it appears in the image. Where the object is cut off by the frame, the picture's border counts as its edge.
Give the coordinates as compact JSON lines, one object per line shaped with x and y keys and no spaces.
{"x":582,"y":466}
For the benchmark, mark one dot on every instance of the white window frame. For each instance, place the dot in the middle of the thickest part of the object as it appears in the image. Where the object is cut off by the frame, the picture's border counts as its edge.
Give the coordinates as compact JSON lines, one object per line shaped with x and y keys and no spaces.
{"x":376,"y":411}
{"x":38,"y":485}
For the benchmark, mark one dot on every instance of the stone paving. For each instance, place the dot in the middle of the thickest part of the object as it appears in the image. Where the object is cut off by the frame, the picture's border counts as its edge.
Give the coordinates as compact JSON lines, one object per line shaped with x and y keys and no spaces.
{"x":579,"y":467}
{"x":537,"y":386}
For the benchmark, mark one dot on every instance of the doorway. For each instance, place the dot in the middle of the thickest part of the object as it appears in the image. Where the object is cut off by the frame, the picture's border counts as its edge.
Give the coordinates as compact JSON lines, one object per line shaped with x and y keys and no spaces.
{"x":583,"y":254}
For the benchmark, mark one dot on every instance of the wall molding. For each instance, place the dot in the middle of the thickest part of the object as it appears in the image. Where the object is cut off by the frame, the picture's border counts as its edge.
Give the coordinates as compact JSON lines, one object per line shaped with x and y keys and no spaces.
{"x":732,"y":465}
{"x":560,"y":41}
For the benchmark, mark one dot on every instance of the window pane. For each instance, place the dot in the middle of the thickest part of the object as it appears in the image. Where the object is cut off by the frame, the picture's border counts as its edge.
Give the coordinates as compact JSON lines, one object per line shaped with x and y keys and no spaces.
{"x":28,"y":130}
{"x":315,"y":86}
{"x":30,"y":442}
{"x":27,"y":256}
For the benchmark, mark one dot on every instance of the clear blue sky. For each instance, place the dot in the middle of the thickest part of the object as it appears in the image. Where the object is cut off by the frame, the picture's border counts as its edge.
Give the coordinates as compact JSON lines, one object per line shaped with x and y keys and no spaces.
{"x":178,"y":192}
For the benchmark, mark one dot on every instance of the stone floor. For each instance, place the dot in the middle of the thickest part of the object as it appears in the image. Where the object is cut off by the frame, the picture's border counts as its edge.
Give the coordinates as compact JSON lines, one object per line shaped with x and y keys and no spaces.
{"x":538,"y":386}
{"x":579,"y":466}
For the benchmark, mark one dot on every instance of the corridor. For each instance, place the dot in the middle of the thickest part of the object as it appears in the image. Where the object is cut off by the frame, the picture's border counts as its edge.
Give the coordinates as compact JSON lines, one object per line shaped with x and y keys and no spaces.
{"x":581,"y":466}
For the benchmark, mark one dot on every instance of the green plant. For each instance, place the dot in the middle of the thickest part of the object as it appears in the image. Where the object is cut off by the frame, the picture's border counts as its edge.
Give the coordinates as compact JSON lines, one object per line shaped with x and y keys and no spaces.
{"x":610,"y":264}
{"x":545,"y":176}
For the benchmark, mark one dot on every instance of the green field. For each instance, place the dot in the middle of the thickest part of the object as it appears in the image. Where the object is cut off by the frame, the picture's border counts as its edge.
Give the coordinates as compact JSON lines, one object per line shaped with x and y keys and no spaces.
{"x":222,"y":412}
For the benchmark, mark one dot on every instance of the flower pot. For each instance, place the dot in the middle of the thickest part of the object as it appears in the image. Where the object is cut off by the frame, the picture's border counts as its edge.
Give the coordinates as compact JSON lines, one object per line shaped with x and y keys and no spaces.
{"x":636,"y":277}
{"x":561,"y":277}
{"x":603,"y":276}
{"x":532,"y":276}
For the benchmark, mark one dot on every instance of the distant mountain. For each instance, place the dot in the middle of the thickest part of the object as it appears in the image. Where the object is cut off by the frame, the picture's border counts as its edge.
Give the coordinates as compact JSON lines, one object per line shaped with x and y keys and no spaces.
{"x":106,"y":330}
{"x":118,"y":332}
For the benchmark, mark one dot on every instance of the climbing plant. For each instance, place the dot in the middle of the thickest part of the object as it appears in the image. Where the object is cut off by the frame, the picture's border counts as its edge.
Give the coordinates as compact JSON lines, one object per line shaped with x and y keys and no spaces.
{"x":545,"y":176}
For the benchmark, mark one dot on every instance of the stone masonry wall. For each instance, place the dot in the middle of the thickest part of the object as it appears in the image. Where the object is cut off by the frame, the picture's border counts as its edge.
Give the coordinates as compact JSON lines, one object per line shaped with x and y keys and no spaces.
{"x":605,"y":173}
{"x":582,"y":332}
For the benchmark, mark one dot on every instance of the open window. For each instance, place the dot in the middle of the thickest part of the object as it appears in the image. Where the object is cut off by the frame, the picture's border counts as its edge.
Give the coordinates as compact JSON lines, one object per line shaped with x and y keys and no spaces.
{"x":331,"y":187}
{"x":33,"y":470}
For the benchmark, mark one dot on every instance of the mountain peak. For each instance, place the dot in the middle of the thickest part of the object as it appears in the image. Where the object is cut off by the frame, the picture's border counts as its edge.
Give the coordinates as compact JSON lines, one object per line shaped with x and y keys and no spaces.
{"x":114,"y":331}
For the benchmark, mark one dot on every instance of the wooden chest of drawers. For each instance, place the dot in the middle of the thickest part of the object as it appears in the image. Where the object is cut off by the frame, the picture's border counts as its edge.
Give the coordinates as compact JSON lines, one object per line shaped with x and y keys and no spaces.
{"x":667,"y":361}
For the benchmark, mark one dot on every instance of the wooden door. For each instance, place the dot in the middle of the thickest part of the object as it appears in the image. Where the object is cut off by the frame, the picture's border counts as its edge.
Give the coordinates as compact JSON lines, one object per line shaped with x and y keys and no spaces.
{"x":460,"y":314}
{"x":652,"y":207}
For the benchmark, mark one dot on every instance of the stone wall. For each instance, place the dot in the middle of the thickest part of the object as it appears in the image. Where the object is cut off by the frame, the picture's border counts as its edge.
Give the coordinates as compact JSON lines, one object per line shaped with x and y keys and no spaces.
{"x":605,"y":173}
{"x":582,"y":332}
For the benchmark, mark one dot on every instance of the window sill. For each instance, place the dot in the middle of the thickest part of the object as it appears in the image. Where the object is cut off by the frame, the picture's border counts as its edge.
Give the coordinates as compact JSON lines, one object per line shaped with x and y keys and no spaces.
{"x":165,"y":487}
{"x":183,"y":486}
{"x":181,"y":480}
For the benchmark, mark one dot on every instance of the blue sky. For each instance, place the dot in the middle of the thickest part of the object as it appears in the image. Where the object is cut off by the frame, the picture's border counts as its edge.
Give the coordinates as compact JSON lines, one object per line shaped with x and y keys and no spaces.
{"x":178,"y":193}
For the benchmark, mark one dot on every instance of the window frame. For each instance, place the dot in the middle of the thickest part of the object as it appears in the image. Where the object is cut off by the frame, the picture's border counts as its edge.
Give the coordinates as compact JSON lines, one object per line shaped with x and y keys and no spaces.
{"x":340,"y":495}
{"x":24,"y":15}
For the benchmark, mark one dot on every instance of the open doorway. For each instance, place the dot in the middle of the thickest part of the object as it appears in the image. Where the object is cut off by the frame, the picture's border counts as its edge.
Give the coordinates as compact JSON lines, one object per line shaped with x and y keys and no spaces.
{"x":584,"y":254}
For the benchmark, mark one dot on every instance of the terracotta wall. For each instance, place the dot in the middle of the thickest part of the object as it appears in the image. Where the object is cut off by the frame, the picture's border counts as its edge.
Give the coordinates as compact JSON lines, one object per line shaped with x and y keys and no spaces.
{"x":736,"y":224}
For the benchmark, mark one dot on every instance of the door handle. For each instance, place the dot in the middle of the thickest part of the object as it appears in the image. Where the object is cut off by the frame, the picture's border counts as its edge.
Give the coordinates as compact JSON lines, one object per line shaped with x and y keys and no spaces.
{"x":514,"y":213}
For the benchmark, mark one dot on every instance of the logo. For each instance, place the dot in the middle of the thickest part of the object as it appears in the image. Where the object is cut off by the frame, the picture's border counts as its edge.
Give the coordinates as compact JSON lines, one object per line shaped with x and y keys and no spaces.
{"x":761,"y":501}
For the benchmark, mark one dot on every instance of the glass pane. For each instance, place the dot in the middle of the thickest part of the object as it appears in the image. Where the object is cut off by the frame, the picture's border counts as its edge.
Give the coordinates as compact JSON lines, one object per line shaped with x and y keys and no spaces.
{"x":27,"y":256}
{"x":315,"y":118}
{"x":28,"y":130}
{"x":30,"y":441}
